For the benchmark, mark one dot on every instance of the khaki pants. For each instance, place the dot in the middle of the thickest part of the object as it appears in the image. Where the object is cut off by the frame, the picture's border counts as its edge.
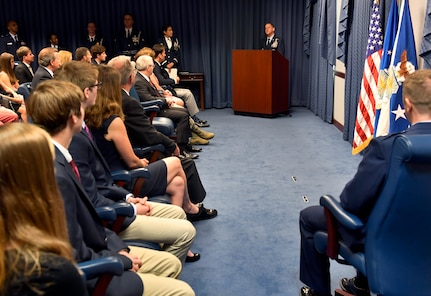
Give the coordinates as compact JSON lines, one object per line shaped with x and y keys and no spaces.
{"x":167,"y":226}
{"x":159,"y":273}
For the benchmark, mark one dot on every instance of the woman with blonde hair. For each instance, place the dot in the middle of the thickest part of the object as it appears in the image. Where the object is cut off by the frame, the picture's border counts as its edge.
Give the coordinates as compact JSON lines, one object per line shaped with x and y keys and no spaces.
{"x":65,"y":56}
{"x":35,"y":255}
{"x":105,"y":119}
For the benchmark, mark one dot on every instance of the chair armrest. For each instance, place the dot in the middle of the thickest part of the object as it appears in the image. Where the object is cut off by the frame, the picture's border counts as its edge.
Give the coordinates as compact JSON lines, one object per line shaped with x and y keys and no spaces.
{"x":123,"y":209}
{"x":164,"y":125}
{"x":97,"y":267}
{"x":107,"y":214}
{"x":141,"y":152}
{"x":158,"y":103}
{"x":151,"y":108}
{"x":121,"y":175}
{"x":347,"y":219}
{"x":140,"y":173}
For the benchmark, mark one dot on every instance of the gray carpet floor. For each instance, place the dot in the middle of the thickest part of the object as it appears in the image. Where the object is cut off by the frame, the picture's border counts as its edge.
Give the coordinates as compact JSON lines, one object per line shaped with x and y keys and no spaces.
{"x":259,"y":173}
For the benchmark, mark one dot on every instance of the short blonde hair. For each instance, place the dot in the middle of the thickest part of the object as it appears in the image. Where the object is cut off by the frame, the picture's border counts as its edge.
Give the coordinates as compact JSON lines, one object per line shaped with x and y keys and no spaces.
{"x":145,"y":51}
{"x":65,"y":56}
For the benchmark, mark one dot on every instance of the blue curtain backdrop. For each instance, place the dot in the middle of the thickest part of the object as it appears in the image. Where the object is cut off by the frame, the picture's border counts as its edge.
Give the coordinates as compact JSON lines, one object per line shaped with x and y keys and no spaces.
{"x":208,"y":32}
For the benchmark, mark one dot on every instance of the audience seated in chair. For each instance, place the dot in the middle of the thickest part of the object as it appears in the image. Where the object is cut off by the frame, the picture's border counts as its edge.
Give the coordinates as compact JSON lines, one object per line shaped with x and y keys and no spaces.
{"x":361,"y":194}
{"x":199,"y":136}
{"x":180,"y":116}
{"x":83,"y":54}
{"x":154,"y":222}
{"x":142,"y":134}
{"x":58,"y":107}
{"x":9,"y":84}
{"x":170,"y":84}
{"x":175,"y":100}
{"x":65,"y":56}
{"x":23,"y":71}
{"x":36,"y":256}
{"x":105,"y":121}
{"x":98,"y":54}
{"x":49,"y":62}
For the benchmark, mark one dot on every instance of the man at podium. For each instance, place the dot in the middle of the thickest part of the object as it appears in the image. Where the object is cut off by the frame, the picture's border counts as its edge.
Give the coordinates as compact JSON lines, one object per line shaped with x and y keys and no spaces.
{"x":271,"y":40}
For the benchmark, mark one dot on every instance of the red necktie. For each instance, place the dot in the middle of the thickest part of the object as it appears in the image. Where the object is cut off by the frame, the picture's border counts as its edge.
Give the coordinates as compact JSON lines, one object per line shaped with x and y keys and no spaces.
{"x":75,"y":169}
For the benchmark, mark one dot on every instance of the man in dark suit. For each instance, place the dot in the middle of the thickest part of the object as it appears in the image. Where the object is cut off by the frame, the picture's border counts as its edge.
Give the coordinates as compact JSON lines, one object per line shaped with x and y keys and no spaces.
{"x":142,"y":133}
{"x":49,"y":62}
{"x":148,"y":92}
{"x":170,"y":84}
{"x":63,"y":119}
{"x":130,"y":39}
{"x":159,"y":223}
{"x":98,"y":54}
{"x":361,"y":193}
{"x":83,"y":54}
{"x":271,"y":40}
{"x":23,"y":71}
{"x":11,"y":41}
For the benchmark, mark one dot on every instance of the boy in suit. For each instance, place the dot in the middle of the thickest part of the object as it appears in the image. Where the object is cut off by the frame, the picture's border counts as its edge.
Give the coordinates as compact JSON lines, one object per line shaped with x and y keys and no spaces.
{"x":58,"y":107}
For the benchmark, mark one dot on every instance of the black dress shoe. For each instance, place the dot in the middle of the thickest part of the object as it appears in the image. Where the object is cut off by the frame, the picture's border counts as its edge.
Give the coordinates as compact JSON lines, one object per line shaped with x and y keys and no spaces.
{"x":194,"y":258}
{"x":189,"y":155}
{"x":307,"y":291}
{"x":202,"y":123}
{"x":350,"y":286}
{"x":192,"y":149}
{"x":203,"y":214}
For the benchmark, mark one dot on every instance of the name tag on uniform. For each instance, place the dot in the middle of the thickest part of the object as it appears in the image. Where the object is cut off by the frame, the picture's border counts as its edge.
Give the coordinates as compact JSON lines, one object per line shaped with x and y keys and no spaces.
{"x":9,"y":43}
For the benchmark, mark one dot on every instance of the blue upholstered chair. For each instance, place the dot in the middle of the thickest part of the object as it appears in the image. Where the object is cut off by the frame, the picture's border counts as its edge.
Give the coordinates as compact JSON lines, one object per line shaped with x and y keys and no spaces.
{"x":397,"y":257}
{"x":162,"y":124}
{"x":113,"y":217}
{"x":103,"y":269}
{"x":25,"y":90}
{"x":125,"y":179}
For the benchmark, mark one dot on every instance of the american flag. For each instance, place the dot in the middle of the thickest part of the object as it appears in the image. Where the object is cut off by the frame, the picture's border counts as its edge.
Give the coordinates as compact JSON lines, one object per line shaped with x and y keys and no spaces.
{"x":365,"y":115}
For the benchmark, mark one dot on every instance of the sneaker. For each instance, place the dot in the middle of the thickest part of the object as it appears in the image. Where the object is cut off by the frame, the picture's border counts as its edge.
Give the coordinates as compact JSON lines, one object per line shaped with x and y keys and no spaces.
{"x":350,"y":286}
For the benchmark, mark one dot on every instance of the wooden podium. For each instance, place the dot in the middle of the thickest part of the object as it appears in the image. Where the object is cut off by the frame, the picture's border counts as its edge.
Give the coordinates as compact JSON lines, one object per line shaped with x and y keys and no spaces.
{"x":260,"y":82}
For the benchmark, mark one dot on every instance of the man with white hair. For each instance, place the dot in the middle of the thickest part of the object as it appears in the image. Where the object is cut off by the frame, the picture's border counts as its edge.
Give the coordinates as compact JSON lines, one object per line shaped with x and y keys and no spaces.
{"x":147,"y":92}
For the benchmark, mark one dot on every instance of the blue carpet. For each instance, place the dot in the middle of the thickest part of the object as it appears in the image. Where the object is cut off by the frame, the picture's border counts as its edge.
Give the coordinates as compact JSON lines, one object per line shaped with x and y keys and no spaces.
{"x":256,"y":172}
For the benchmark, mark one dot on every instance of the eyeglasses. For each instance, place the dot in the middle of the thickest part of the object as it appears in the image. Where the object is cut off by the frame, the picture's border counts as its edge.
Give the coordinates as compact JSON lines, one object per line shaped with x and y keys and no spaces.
{"x":98,"y":85}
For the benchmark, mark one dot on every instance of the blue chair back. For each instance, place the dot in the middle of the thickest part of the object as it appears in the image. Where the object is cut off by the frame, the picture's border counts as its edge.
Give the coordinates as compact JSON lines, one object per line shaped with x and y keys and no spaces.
{"x":398,"y":238}
{"x":25,"y":90}
{"x":134,"y":94}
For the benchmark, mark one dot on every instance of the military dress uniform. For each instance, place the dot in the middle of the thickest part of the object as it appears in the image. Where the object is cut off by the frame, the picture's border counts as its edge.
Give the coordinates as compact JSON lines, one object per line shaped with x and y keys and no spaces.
{"x":172,"y":53}
{"x":11,"y":44}
{"x":129,"y":45}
